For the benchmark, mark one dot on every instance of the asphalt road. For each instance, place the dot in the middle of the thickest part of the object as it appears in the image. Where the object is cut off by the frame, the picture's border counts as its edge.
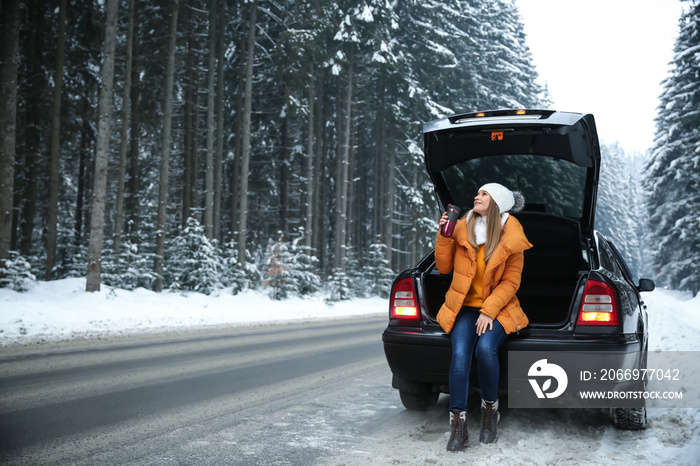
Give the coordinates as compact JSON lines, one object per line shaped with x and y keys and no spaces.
{"x":274,"y":394}
{"x":303,"y":394}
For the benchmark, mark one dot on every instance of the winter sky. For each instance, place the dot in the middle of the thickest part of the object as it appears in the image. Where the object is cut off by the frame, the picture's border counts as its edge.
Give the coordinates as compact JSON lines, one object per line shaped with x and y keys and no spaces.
{"x":605,"y":57}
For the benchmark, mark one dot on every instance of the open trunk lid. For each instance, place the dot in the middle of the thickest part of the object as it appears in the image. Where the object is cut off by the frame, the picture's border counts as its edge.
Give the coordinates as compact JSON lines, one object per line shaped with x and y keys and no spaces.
{"x":553,"y":158}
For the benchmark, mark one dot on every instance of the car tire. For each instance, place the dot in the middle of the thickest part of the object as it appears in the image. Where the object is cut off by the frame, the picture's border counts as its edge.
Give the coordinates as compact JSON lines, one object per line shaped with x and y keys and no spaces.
{"x":629,"y":418}
{"x":418,"y":401}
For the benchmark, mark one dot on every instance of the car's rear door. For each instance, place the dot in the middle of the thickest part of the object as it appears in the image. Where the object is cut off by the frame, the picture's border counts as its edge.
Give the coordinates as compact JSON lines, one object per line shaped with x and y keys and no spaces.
{"x":553,"y":158}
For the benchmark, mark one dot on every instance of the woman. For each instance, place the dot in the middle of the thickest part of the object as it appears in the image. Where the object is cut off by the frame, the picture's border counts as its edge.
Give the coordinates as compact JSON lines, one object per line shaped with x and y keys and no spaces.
{"x":485,"y":252}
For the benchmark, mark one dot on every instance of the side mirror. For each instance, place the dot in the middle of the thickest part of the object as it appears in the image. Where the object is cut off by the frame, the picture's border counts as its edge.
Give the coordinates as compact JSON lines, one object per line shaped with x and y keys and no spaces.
{"x":646,"y":284}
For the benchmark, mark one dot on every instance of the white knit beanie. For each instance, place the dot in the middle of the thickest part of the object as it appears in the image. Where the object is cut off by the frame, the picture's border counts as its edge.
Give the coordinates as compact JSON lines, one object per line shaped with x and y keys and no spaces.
{"x":507,"y":200}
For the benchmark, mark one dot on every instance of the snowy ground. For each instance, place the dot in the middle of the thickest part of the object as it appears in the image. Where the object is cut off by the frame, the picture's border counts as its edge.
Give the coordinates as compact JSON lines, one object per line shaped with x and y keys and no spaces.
{"x":556,"y":436}
{"x":61,"y":310}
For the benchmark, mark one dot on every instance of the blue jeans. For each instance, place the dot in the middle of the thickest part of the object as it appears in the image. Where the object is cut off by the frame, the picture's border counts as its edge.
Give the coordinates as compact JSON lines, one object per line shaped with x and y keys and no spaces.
{"x":464,"y":342}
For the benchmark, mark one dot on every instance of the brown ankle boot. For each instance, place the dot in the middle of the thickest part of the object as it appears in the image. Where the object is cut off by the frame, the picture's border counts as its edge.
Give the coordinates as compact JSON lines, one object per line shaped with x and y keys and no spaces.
{"x":459,"y":438}
{"x":489,"y":421}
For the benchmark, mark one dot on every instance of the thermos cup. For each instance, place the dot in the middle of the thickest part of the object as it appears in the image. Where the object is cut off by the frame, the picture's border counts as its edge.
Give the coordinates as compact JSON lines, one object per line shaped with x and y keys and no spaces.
{"x":452,"y":216}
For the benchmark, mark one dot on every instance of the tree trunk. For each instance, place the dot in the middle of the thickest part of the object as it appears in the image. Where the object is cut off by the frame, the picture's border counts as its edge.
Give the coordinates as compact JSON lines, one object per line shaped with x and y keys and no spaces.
{"x":388,"y":232}
{"x":357,"y":198}
{"x":283,"y":185}
{"x":415,"y":234}
{"x":379,"y":167}
{"x":126,"y":119}
{"x":190,"y":85}
{"x":132,"y":198}
{"x":309,"y":200}
{"x":237,"y":144}
{"x":209,"y":169}
{"x":161,"y":223}
{"x":219,"y":154}
{"x":342,"y":174}
{"x":245,"y":143}
{"x":102,"y":149}
{"x":85,"y":135}
{"x":320,"y":180}
{"x":194,"y":161}
{"x":9,"y":60}
{"x":34,"y":109}
{"x":350,"y":224}
{"x":55,"y":161}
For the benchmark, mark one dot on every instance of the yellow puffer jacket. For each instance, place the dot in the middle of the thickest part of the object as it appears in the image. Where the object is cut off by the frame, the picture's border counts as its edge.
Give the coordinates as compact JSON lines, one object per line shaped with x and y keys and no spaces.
{"x":501,"y":278}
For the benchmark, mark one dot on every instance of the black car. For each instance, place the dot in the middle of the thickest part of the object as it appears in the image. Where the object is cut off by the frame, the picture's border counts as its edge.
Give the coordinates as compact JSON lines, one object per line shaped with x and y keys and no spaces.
{"x":553,"y":158}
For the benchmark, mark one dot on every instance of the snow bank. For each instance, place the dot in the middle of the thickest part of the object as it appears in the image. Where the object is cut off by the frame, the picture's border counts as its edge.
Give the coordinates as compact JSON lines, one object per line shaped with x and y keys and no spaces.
{"x":61,"y":309}
{"x":674,"y":320}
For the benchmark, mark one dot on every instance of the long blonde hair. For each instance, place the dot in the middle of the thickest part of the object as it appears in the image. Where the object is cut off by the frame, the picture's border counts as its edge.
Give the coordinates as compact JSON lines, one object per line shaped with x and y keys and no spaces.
{"x":494,"y":229}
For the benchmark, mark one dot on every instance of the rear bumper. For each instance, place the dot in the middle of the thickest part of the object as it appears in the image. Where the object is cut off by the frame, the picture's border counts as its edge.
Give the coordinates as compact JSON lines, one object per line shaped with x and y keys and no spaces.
{"x":418,"y":355}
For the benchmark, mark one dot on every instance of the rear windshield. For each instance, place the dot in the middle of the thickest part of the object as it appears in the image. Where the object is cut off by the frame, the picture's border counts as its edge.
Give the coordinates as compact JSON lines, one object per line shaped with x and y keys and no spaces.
{"x":549,"y":185}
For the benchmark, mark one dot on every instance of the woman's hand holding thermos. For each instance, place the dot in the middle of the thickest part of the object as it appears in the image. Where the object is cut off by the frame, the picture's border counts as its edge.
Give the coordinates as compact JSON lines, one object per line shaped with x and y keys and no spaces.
{"x":448,"y":220}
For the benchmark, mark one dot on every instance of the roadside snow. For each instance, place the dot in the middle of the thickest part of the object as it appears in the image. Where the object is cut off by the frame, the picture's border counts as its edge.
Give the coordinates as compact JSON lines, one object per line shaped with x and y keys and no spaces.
{"x":674,"y":321}
{"x":61,"y":310}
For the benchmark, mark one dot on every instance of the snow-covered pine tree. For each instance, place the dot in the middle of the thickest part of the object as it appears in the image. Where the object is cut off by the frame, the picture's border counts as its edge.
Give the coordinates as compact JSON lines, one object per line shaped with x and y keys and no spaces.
{"x":639,"y":260}
{"x":134,"y":268}
{"x":235,"y":275}
{"x":378,"y":271}
{"x":193,"y":262}
{"x":620,"y":204}
{"x":303,"y":268}
{"x":357,"y":280}
{"x":505,"y":62}
{"x":673,"y":169}
{"x":290,"y":269}
{"x":71,"y":256}
{"x":277,"y":273}
{"x":16,"y":273}
{"x":612,"y":208}
{"x":339,"y":288}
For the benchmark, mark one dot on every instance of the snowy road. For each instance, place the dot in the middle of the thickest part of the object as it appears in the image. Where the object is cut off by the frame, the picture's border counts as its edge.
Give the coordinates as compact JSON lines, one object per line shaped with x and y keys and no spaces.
{"x":284,"y":394}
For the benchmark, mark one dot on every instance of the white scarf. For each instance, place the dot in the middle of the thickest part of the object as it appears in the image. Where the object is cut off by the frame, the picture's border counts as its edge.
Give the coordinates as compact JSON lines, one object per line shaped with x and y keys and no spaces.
{"x":480,"y":227}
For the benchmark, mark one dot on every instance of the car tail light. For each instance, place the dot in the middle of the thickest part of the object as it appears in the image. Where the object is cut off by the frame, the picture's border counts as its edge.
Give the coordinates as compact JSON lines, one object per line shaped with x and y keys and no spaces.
{"x":404,"y":303}
{"x":599,"y":306}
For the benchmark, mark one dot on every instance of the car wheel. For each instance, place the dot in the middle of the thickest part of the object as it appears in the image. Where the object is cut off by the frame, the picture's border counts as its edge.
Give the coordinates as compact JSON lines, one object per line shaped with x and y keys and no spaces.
{"x":418,"y":401}
{"x":629,"y":418}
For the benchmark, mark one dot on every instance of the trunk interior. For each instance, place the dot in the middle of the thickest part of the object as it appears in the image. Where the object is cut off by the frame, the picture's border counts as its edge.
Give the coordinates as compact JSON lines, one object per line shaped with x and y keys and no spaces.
{"x":551,"y":271}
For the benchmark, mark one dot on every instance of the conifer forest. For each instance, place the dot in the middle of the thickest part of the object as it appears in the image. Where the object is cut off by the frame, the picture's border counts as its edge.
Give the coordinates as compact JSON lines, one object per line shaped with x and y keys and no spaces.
{"x":206,"y":144}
